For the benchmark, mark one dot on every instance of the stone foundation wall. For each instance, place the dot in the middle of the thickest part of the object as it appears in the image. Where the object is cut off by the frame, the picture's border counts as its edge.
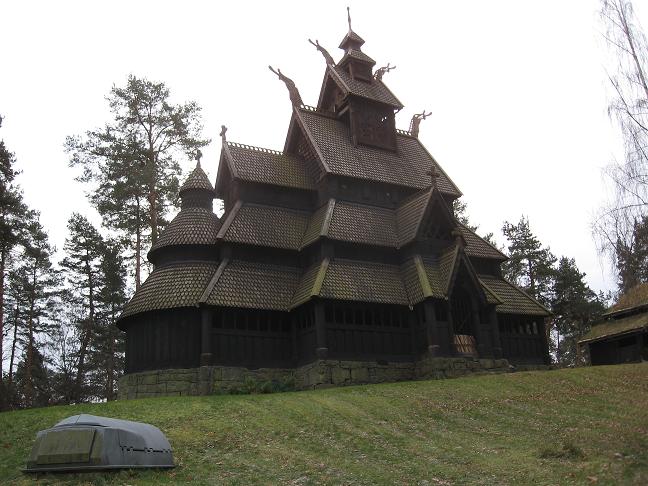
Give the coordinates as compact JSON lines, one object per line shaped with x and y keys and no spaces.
{"x":208,"y":380}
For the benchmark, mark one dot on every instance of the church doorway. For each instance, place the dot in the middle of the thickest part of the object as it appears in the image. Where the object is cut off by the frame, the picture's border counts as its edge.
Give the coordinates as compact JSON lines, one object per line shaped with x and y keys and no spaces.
{"x":463,"y":318}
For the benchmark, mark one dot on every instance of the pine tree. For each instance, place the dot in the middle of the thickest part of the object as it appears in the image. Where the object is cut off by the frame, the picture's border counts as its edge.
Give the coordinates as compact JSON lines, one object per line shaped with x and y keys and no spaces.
{"x":133,"y":160}
{"x":108,"y":350}
{"x":33,"y":381}
{"x":12,"y":215}
{"x":82,"y":269}
{"x":575,"y":306}
{"x":38,"y":284}
{"x":530,"y":265}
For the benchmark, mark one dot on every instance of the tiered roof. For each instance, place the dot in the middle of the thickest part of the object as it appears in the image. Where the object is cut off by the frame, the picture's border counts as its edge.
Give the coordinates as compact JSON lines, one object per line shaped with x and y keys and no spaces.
{"x":326,"y":148}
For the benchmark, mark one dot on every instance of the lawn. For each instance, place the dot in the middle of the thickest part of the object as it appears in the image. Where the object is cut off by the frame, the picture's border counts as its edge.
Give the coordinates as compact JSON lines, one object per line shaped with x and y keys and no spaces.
{"x":580,"y":426}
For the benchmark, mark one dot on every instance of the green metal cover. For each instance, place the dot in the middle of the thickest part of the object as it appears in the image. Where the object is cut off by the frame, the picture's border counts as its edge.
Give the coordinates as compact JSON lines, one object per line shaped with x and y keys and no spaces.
{"x":86,"y":442}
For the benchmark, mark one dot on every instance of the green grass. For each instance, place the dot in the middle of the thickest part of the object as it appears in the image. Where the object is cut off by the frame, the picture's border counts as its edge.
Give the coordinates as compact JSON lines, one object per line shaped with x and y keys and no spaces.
{"x":581,"y":426}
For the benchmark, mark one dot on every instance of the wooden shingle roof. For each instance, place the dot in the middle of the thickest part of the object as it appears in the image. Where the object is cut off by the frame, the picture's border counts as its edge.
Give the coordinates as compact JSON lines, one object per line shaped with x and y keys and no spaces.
{"x":478,"y":247}
{"x":514,"y":300}
{"x":171,"y":286}
{"x":254,"y":285}
{"x":359,"y":223}
{"x":375,"y":90}
{"x":267,"y":166}
{"x":197,"y":180}
{"x":363,"y":281}
{"x":261,"y":225}
{"x":191,"y":226}
{"x":409,"y":166}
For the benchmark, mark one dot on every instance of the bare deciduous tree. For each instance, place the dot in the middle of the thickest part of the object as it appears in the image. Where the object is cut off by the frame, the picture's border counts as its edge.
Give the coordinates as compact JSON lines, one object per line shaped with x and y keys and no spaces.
{"x":615,"y":225}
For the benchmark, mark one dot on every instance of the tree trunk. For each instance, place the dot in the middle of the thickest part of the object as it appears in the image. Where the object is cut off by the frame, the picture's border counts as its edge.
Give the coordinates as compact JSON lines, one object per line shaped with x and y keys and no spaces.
{"x":631,"y":44}
{"x":110,"y":386}
{"x":13,"y":346}
{"x":138,"y":245}
{"x":3,"y":255}
{"x":29,"y":385}
{"x":152,"y":193}
{"x":85,"y":337}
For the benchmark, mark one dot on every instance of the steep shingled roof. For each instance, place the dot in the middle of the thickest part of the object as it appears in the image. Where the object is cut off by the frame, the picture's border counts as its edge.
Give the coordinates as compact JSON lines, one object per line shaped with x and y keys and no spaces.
{"x":514,"y":300}
{"x":171,"y":286}
{"x":363,"y":281}
{"x":254,"y":285}
{"x":197,"y":180}
{"x":374,"y":90}
{"x":271,"y":226}
{"x":191,"y":226}
{"x":409,"y":166}
{"x":267,"y":166}
{"x":358,"y":223}
{"x":476,"y":246}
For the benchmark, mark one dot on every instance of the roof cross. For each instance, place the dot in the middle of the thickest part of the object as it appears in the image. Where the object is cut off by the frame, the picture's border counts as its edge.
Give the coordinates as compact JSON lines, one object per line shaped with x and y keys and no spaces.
{"x":349,"y":18}
{"x":434,"y":175}
{"x":198,"y":157}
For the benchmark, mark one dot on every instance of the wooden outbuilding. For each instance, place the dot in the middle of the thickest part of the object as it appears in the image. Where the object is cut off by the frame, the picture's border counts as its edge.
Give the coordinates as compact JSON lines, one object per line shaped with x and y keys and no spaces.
{"x":622,"y":334}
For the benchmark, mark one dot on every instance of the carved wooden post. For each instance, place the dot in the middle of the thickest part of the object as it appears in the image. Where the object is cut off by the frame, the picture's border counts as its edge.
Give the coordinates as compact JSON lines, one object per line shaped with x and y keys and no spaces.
{"x":206,"y":328}
{"x":321,"y":350}
{"x":431,"y":329}
{"x":497,"y":343}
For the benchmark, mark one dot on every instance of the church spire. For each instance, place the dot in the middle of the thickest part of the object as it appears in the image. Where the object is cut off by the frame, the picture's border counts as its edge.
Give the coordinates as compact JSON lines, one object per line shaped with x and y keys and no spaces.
{"x":351,"y":39}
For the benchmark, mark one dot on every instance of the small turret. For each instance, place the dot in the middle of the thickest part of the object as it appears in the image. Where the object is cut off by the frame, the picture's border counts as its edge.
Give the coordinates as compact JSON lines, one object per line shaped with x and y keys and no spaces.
{"x":195,"y":227}
{"x":197,"y":191}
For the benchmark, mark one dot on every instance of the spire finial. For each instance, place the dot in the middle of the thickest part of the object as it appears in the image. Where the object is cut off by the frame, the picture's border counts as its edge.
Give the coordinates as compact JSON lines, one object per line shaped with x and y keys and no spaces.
{"x":349,"y":17}
{"x":198,"y":157}
{"x":223,"y":132}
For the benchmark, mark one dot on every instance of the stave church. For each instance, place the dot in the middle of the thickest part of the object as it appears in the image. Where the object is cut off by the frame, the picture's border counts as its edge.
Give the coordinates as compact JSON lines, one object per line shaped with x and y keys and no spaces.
{"x":337,"y":260}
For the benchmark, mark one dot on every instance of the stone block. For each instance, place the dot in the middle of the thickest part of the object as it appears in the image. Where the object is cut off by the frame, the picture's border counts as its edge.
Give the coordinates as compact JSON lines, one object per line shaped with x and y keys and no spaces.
{"x":217,"y":374}
{"x":232,"y":374}
{"x":360,"y":375}
{"x":179,"y":386}
{"x":487,"y":363}
{"x":148,"y":379}
{"x":145,"y":395}
{"x":340,"y":376}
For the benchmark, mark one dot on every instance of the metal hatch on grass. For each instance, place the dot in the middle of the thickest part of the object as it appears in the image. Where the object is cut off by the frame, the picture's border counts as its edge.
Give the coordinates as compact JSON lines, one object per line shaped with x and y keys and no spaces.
{"x":86,"y":442}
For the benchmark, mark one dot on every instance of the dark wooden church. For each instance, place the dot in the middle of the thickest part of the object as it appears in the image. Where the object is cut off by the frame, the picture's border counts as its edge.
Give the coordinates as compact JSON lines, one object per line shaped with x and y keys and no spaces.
{"x":343,"y":246}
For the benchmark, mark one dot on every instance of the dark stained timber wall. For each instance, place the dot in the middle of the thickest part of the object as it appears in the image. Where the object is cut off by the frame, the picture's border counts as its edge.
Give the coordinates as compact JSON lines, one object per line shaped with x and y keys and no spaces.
{"x":366,"y":331}
{"x":252,"y":338}
{"x":163,"y":340}
{"x":522,"y":339}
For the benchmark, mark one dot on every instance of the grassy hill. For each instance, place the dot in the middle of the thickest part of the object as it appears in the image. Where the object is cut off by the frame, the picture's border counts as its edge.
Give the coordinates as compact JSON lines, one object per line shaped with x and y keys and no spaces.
{"x":582,"y":426}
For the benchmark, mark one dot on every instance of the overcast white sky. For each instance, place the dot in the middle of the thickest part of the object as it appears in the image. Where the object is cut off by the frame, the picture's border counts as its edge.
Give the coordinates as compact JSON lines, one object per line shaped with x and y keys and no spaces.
{"x":517,"y":89}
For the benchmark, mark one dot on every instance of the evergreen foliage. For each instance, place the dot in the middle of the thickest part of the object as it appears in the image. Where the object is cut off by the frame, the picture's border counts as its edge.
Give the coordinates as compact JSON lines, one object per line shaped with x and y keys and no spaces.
{"x":132,"y":162}
{"x":575,"y":306}
{"x":12,"y":214}
{"x":530,"y":264}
